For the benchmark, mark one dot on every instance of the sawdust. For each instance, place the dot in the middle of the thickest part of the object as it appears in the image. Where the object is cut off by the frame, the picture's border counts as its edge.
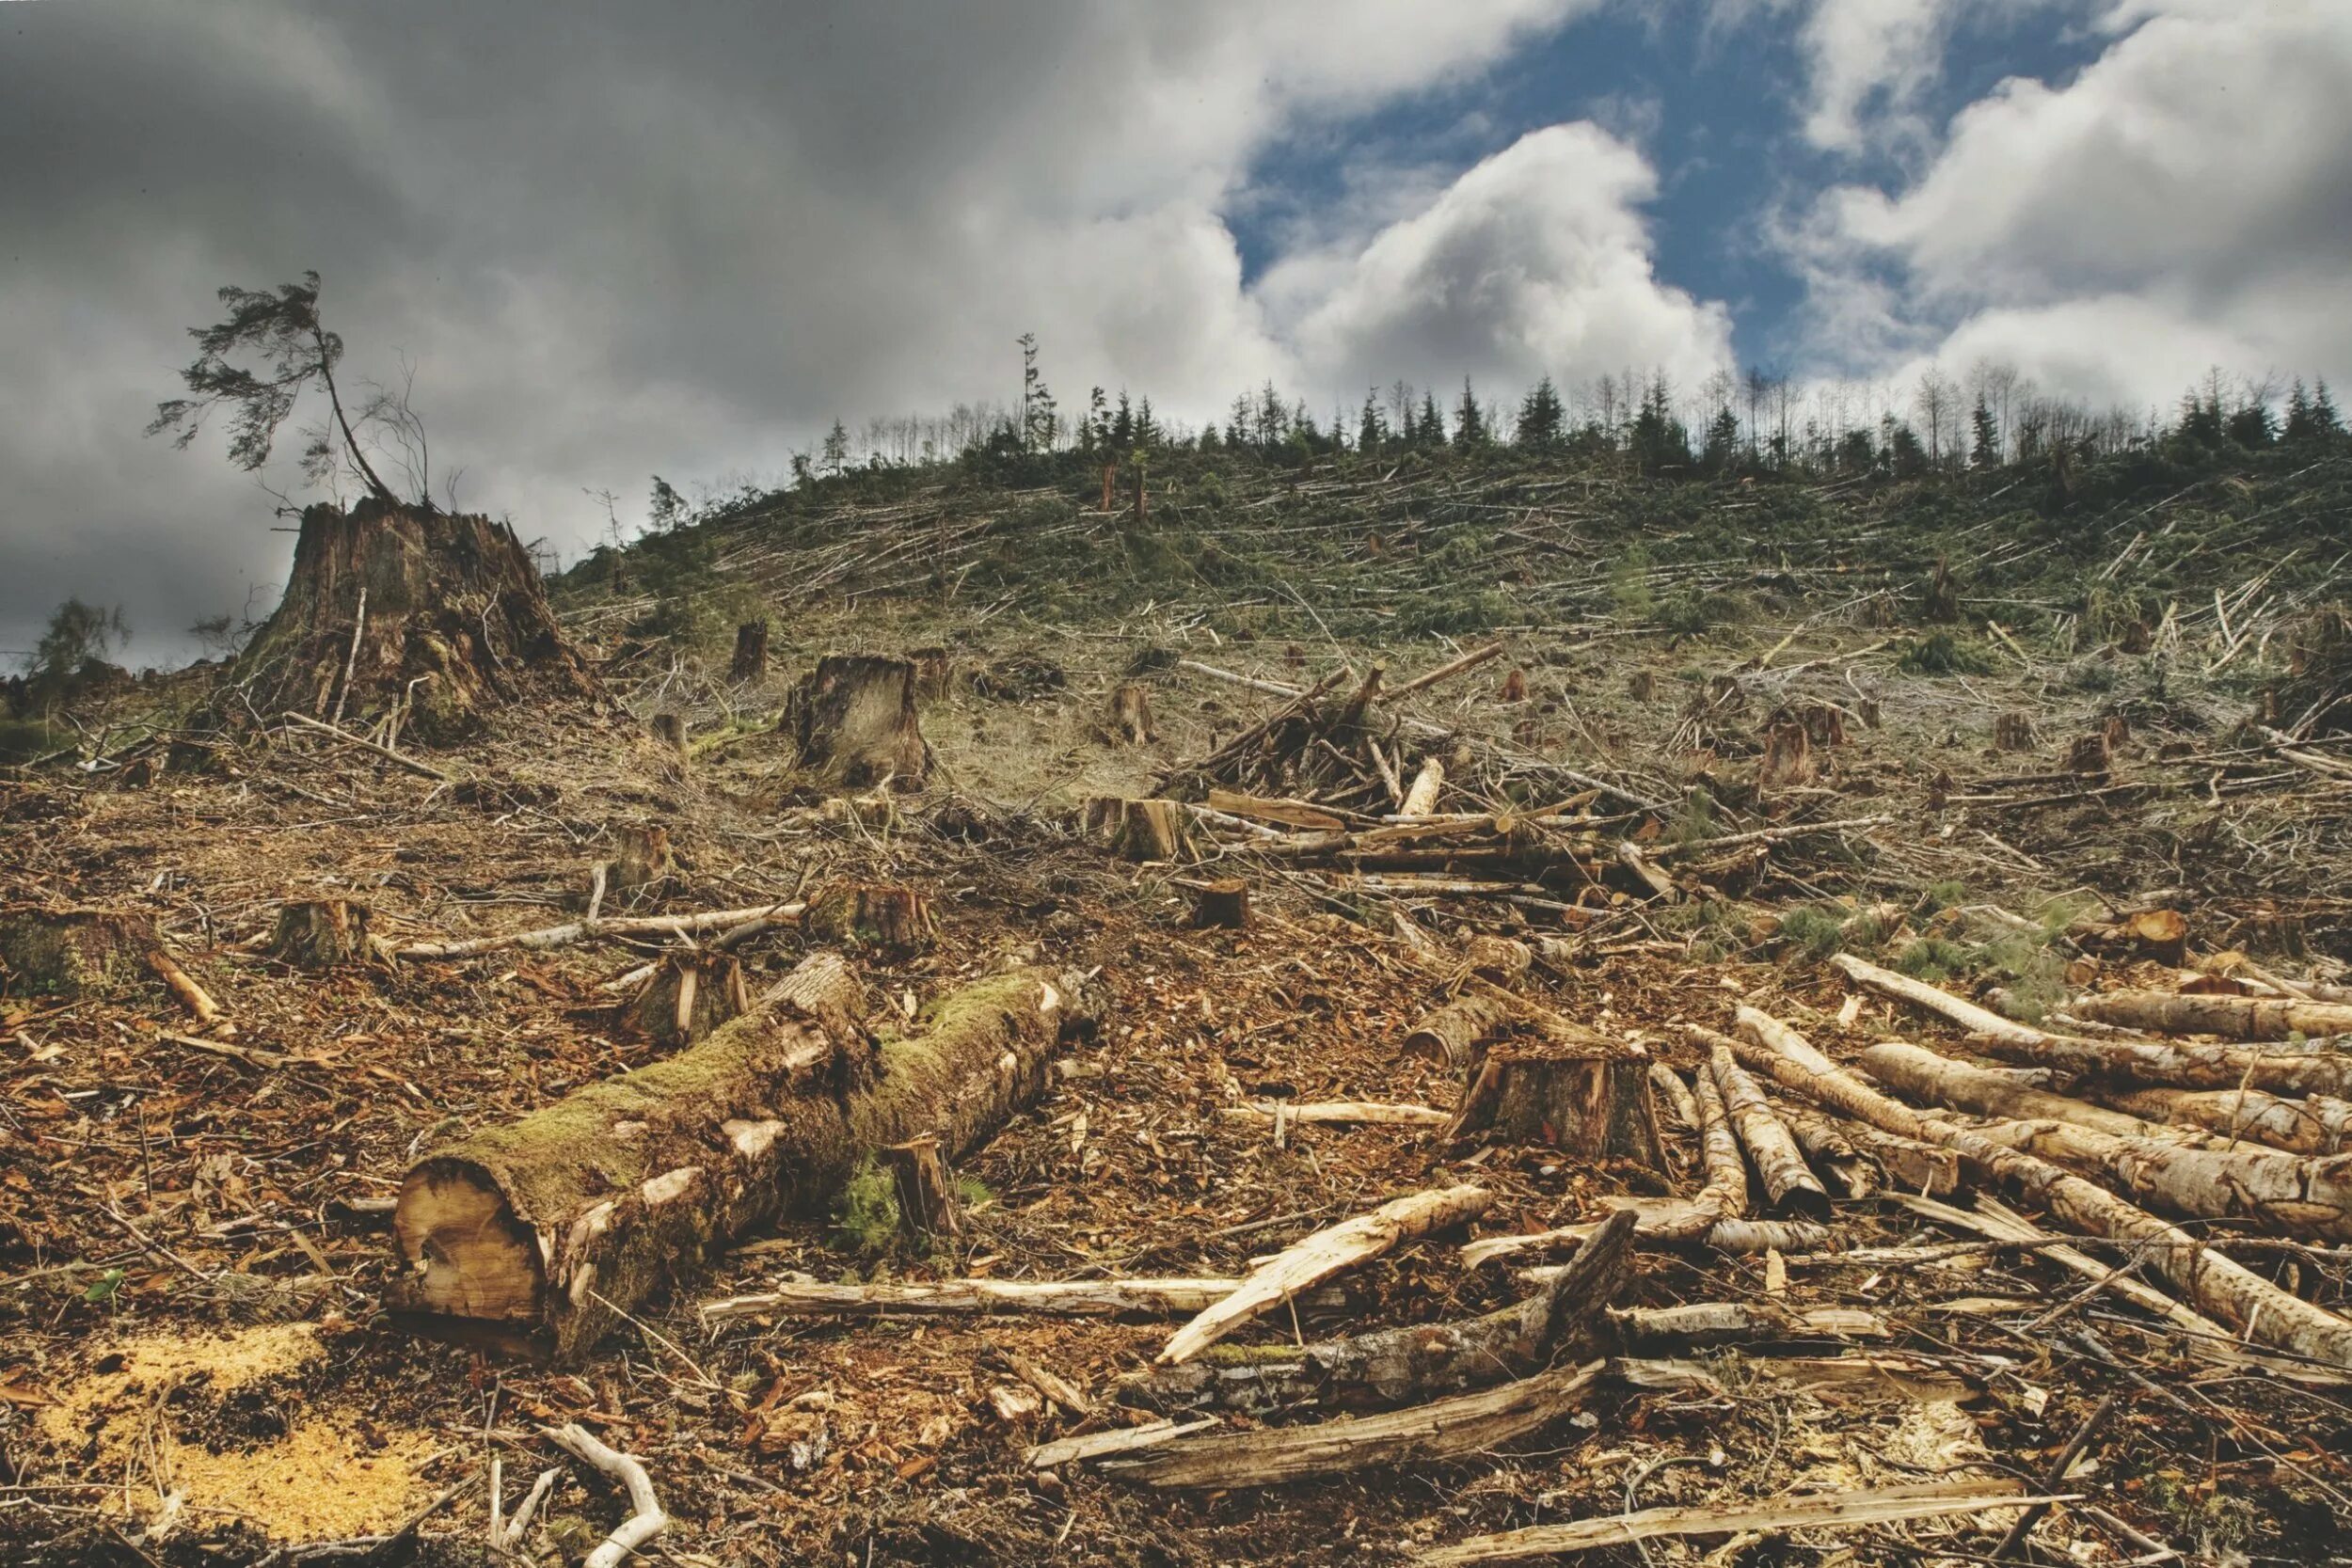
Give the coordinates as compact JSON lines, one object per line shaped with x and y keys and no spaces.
{"x":124,"y":1415}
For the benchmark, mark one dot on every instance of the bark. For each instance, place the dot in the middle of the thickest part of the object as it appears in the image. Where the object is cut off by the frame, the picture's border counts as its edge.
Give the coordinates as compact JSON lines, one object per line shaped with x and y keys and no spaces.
{"x":894,"y":922}
{"x":1344,"y":1112}
{"x":1417,"y":1362}
{"x":320,"y":935}
{"x":642,"y":867}
{"x":1921,"y":1074}
{"x":1456,"y":1032}
{"x":2321,"y":1124}
{"x":2175,"y":1065}
{"x":1725,"y":1194}
{"x":1223,"y":903}
{"x":1496,"y":958}
{"x":1421,"y":796}
{"x":1592,"y":1105}
{"x":2213,"y":1282}
{"x":1319,"y":1257}
{"x":1744,"y":1322}
{"x":1787,"y":1183}
{"x":751,"y":653}
{"x":73,"y":954}
{"x":2237,"y":1018}
{"x":687,"y":996}
{"x":1131,"y":713}
{"x":457,"y":625}
{"x":1787,"y":759}
{"x":537,"y":1234}
{"x":1445,"y":1429}
{"x":1831,"y":1151}
{"x":927,"y":1204}
{"x":854,"y":722}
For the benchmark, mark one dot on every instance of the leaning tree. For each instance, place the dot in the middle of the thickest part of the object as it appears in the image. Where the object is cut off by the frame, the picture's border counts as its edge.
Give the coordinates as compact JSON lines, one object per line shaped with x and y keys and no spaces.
{"x":393,"y":607}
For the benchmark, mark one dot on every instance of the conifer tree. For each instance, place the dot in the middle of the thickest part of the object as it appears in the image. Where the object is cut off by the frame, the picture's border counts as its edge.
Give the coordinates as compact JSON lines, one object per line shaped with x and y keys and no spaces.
{"x":1985,"y":449}
{"x":1123,"y":429}
{"x":836,"y":447}
{"x":1432,"y":423}
{"x":1096,"y":432}
{"x":1469,"y":423}
{"x":2325,"y":421}
{"x":1367,"y":428}
{"x":1542,"y":416}
{"x":1039,"y":423}
{"x":1147,"y":432}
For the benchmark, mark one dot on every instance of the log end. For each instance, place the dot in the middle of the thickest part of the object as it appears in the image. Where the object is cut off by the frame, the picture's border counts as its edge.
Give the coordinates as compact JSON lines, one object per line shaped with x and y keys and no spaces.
{"x":465,"y":1254}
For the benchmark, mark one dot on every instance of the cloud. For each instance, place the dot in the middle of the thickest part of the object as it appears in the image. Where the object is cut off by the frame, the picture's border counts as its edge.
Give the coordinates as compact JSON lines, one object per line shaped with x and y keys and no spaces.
{"x":1537,"y":262}
{"x":2186,"y":200}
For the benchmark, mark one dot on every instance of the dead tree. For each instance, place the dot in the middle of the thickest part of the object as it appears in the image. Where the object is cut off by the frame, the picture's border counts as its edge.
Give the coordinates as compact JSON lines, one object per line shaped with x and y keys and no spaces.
{"x":854,"y":723}
{"x":751,"y":653}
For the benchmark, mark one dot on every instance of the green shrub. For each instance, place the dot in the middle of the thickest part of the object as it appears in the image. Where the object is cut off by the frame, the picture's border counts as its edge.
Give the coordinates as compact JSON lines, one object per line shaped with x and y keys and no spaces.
{"x":1941,"y":654}
{"x":866,"y":1213}
{"x":1933,"y":959}
{"x":1816,"y":933}
{"x":1630,"y":592}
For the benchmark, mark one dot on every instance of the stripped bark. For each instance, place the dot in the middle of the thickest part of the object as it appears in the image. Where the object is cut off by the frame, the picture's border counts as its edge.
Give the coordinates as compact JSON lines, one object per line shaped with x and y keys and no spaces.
{"x":1789,"y":1185}
{"x":2237,"y":1018}
{"x":2212,"y":1281}
{"x":1975,"y":1019}
{"x":1736,"y":1322}
{"x":1921,"y":1074}
{"x":1827,"y":1146}
{"x":2181,"y":1065}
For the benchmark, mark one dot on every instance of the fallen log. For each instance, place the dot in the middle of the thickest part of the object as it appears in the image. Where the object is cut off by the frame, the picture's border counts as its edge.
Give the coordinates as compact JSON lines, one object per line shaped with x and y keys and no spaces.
{"x":2287,"y":1194}
{"x":1975,"y":1019}
{"x":1317,"y":1258}
{"x":538,"y":1235}
{"x":1740,"y":1323}
{"x":1344,"y":1112}
{"x":1827,"y":1146}
{"x":1658,"y":1223}
{"x":1050,"y":1298}
{"x":1921,"y":1074}
{"x":1834,"y":1510}
{"x":2181,"y":1065}
{"x":2321,"y":1124}
{"x":1725,"y":1194}
{"x":1789,"y":1185}
{"x":1415,"y":1363}
{"x":590,"y":931}
{"x":2237,"y":1018}
{"x":2213,"y":1282}
{"x":1422,"y":1433}
{"x":1454,"y":1032}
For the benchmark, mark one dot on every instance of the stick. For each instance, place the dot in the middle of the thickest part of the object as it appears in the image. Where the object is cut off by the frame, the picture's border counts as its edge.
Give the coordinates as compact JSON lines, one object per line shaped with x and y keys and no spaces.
{"x":581,"y":930}
{"x":2057,"y":1477}
{"x":183,"y":986}
{"x":351,"y":660}
{"x":400,"y":758}
{"x":645,"y":1519}
{"x":1447,"y":672}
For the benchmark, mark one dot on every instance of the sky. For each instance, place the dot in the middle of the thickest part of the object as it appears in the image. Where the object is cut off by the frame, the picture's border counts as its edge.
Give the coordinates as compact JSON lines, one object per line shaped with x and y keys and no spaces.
{"x":603,"y":241}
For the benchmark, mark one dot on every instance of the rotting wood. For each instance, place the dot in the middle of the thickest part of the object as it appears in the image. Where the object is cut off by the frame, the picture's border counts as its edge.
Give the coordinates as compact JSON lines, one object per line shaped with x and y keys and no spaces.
{"x":1118,"y":1440}
{"x":750,"y":662}
{"x":1790,"y":1187}
{"x":2236,"y":1017}
{"x":1415,"y":1363}
{"x":927,"y":1204}
{"x":643,"y":866}
{"x":1317,"y":1258}
{"x":1053,"y":1298}
{"x":2212,"y":1281}
{"x":538,"y":1234}
{"x":687,"y":996}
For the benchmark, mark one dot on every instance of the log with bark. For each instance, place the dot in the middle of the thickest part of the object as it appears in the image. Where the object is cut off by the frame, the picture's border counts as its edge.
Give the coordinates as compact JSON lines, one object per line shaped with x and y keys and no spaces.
{"x":1920,"y":1074}
{"x":1317,"y":1258}
{"x":1790,"y":1186}
{"x":1457,"y":1033}
{"x":2320,"y":1124}
{"x":1742,"y":1322}
{"x":1417,"y":1362}
{"x":616,"y":929}
{"x":854,"y":723}
{"x":2236,"y":1017}
{"x":538,"y":1234}
{"x":2184,"y":1064}
{"x":2212,"y":1281}
{"x":1901,"y":987}
{"x":1831,"y":1151}
{"x":1048,"y":1298}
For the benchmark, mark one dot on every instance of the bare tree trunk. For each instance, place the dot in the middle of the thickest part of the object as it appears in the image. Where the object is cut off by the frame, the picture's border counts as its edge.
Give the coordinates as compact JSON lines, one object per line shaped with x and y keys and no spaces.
{"x":2321,"y":1124}
{"x":1792,"y":1187}
{"x":2237,"y":1018}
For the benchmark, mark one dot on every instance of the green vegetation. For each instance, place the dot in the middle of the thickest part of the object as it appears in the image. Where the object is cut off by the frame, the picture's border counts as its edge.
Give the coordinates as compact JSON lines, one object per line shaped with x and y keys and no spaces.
{"x":865,"y":1215}
{"x":1941,"y":654}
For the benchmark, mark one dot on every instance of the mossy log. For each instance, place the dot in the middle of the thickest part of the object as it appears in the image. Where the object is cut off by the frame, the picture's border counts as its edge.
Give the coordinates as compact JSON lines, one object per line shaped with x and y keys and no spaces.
{"x":535,"y":1236}
{"x":687,"y":996}
{"x":896,"y":922}
{"x":854,"y":722}
{"x":316,"y":935}
{"x":73,"y":955}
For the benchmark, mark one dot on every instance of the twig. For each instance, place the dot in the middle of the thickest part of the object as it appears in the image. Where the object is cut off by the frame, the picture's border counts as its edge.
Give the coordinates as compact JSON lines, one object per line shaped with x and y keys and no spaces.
{"x":645,"y":1519}
{"x":401,"y":758}
{"x":2015,"y":1539}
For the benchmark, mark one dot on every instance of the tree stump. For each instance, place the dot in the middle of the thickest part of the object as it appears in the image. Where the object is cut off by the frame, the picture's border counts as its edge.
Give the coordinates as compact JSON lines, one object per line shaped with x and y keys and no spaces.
{"x":669,"y":732}
{"x":1131,"y":713}
{"x":1590,"y":1104}
{"x":854,"y":722}
{"x":934,"y":672}
{"x":2014,"y":731}
{"x":73,"y":954}
{"x":1224,"y":902}
{"x":890,"y":920}
{"x":1942,"y":599}
{"x":751,"y":653}
{"x":926,"y":1203}
{"x":320,"y":935}
{"x":1787,"y":758}
{"x":686,"y":997}
{"x":1513,"y":686}
{"x":1151,"y":830}
{"x":2090,"y":754}
{"x":1644,"y":686}
{"x":1825,"y":723}
{"x":642,"y":868}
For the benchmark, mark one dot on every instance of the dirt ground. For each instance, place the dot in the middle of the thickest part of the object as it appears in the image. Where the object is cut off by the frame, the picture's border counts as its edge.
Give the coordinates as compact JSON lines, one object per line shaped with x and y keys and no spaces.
{"x":194,"y":1369}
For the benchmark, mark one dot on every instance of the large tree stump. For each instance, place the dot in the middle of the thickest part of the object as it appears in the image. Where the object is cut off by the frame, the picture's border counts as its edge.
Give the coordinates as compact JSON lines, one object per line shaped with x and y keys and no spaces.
{"x":539,"y":1234}
{"x":2014,"y":731}
{"x":1131,"y":713}
{"x":1224,"y":902}
{"x":73,"y":954}
{"x":687,"y":996}
{"x":853,"y":720}
{"x":320,"y":934}
{"x":893,"y":921}
{"x":1787,"y":759}
{"x":1593,"y":1104}
{"x":2090,"y":754}
{"x":1150,"y":830}
{"x":751,"y":653}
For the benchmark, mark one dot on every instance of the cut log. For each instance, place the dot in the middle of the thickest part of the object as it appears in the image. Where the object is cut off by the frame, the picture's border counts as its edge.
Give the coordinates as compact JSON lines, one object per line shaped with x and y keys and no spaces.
{"x":2236,"y":1017}
{"x":1499,"y":959}
{"x":538,"y":1234}
{"x":1074,"y":1298}
{"x":184,"y":987}
{"x":1221,"y":904}
{"x":73,"y":955}
{"x":1594,"y":1105}
{"x":1422,"y":1433}
{"x":2321,"y":1124}
{"x":1131,"y":713}
{"x":1739,"y":1322}
{"x":1975,"y":1019}
{"x":1099,"y":1444}
{"x":1790,"y":1186}
{"x":1920,"y":1074}
{"x":687,"y":996}
{"x":2213,"y":1282}
{"x":1419,"y":1362}
{"x":1830,"y":1511}
{"x":751,"y":653}
{"x":1421,"y":796}
{"x":1327,"y":1252}
{"x":317,"y":935}
{"x":2179,"y":1064}
{"x":927,"y":1204}
{"x":854,"y":723}
{"x":1457,"y":1033}
{"x":893,"y":922}
{"x":1666,"y":1081}
{"x":584,"y":930}
{"x":1344,"y":1112}
{"x":1830,"y":1150}
{"x":1658,"y":1223}
{"x":1725,"y":1194}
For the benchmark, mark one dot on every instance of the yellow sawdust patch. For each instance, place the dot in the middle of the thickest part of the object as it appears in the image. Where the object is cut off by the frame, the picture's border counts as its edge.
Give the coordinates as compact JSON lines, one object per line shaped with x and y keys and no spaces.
{"x":319,"y":1479}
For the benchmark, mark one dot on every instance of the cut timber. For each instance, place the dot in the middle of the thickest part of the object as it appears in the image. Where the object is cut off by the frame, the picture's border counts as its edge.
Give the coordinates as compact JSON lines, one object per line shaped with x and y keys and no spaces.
{"x":539,"y":1233}
{"x":1735,"y":1323}
{"x":1422,"y":1433}
{"x":894,"y":921}
{"x":1050,"y":1298}
{"x":183,"y":987}
{"x":1787,"y":1183}
{"x":2320,"y":1124}
{"x":72,"y":954}
{"x":2181,"y":1065}
{"x":318,"y":935}
{"x":1419,"y":1362}
{"x":1131,"y":713}
{"x":1975,"y":1019}
{"x":1595,"y":1105}
{"x":1848,"y":1510}
{"x":1454,"y":1032}
{"x":2237,"y":1018}
{"x":1327,"y":1252}
{"x":751,"y":653}
{"x":457,"y":625}
{"x":927,"y":1204}
{"x":1221,"y":903}
{"x":1345,"y":1112}
{"x":2212,"y":1282}
{"x":1920,"y":1074}
{"x":687,"y":996}
{"x":1828,"y":1147}
{"x":1421,"y":796}
{"x":854,"y":722}
{"x":1725,"y":1193}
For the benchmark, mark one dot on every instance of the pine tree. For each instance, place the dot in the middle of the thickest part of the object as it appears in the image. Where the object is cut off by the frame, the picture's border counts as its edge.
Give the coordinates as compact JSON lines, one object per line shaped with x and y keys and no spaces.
{"x":1659,"y":439}
{"x":1237,"y":422}
{"x":1541,"y":417}
{"x":1432,"y":423}
{"x":1123,"y":429}
{"x":1270,"y":419}
{"x":1368,"y":427}
{"x":1985,"y":451}
{"x":2252,"y":426}
{"x":1096,"y":432}
{"x":2325,"y":422}
{"x":1039,"y":423}
{"x":1147,"y":432}
{"x":1470,"y":425}
{"x":836,"y":447}
{"x":1722,"y":442}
